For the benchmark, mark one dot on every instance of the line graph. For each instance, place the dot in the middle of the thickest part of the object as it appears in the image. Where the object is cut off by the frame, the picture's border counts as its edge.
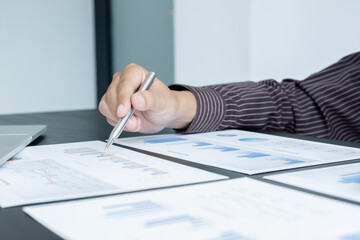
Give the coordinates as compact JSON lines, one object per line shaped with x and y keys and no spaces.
{"x":50,"y":177}
{"x":107,"y":157}
{"x":83,"y":169}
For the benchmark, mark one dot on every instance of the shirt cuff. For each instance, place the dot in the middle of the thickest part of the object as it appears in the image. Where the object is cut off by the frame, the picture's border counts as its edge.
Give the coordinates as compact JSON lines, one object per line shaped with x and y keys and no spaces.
{"x":210,"y":110}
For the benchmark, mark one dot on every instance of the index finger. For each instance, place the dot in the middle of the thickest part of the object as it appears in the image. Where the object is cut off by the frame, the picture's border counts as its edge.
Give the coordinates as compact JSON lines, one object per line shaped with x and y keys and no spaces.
{"x":124,"y":86}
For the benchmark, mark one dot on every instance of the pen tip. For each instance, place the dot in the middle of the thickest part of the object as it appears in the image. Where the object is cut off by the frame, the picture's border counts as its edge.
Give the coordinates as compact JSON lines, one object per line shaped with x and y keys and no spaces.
{"x":109,"y":143}
{"x":107,"y":146}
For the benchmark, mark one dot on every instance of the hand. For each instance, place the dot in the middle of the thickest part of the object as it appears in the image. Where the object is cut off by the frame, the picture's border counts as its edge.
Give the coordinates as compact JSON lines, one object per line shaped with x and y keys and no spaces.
{"x":155,"y":109}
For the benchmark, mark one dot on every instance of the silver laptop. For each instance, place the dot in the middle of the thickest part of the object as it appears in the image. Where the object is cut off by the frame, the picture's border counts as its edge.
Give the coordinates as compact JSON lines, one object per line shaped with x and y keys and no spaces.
{"x":13,"y":138}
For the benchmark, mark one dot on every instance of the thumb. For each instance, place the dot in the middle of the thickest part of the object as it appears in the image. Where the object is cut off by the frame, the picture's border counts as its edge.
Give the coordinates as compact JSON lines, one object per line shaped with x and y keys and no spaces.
{"x":145,"y":100}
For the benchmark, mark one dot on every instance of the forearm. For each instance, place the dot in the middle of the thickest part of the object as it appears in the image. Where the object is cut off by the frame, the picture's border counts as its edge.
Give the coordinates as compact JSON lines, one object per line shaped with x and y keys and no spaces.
{"x":246,"y":105}
{"x":326,"y":104}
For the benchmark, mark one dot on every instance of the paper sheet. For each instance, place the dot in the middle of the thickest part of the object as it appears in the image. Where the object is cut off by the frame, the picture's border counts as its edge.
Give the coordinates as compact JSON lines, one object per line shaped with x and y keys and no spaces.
{"x":243,"y":151}
{"x":233,"y":209}
{"x":67,"y":171}
{"x":340,"y":181}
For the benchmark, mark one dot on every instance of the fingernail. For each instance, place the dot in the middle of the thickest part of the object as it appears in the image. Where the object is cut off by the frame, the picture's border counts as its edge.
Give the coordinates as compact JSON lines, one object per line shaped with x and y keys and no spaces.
{"x":119,"y":110}
{"x":130,"y":123}
{"x":141,"y":101}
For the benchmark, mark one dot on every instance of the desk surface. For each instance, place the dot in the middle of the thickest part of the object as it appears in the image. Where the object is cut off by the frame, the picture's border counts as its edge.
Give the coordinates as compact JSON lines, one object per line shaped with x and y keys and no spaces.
{"x":75,"y":126}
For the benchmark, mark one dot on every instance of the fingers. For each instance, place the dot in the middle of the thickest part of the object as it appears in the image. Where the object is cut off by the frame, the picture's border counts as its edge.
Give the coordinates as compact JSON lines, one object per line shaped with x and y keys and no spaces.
{"x":138,"y":100}
{"x":105,"y":110}
{"x":155,"y":107}
{"x":133,"y":125}
{"x":115,"y":103}
{"x":129,"y":81}
{"x":111,"y":122}
{"x":148,"y":100}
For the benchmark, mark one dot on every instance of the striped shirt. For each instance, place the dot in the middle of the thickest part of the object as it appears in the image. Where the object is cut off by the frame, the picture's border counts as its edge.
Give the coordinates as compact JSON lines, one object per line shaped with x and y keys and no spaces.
{"x":326,"y":104}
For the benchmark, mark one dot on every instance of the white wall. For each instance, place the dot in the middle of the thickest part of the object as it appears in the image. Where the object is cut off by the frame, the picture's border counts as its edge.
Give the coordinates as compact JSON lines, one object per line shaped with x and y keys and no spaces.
{"x":295,"y":38}
{"x":211,"y":42}
{"x":47,"y":55}
{"x":237,"y":40}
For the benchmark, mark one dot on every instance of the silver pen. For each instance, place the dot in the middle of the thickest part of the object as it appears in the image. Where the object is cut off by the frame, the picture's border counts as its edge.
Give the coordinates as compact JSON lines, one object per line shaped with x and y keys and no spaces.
{"x":119,"y":127}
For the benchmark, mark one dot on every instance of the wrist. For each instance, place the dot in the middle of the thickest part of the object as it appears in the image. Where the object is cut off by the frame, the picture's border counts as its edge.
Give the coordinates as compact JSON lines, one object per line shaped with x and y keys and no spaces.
{"x":185,"y":109}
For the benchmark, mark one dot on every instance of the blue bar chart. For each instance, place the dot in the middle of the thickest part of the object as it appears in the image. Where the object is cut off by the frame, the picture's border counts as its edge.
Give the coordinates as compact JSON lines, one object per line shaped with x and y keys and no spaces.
{"x":341,"y":181}
{"x":242,"y":208}
{"x":243,"y":151}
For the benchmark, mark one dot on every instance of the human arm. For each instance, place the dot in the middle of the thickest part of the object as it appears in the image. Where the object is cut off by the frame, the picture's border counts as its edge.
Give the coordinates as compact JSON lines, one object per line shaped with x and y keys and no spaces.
{"x":326,"y":104}
{"x":156,"y":108}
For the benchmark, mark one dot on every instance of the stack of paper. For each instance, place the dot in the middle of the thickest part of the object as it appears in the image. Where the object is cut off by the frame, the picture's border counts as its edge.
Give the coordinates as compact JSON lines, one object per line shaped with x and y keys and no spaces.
{"x":233,"y":209}
{"x":340,"y":181}
{"x":67,"y":171}
{"x":243,"y":151}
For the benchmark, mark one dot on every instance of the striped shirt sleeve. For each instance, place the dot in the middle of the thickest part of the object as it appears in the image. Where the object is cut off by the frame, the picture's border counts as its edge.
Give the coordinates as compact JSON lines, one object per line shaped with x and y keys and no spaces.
{"x":326,"y":104}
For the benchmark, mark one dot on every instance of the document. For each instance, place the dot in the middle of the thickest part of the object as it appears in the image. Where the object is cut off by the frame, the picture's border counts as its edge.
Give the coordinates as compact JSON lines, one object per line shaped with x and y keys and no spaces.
{"x":233,"y":209}
{"x":243,"y":151}
{"x":75,"y":170}
{"x":340,"y":181}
